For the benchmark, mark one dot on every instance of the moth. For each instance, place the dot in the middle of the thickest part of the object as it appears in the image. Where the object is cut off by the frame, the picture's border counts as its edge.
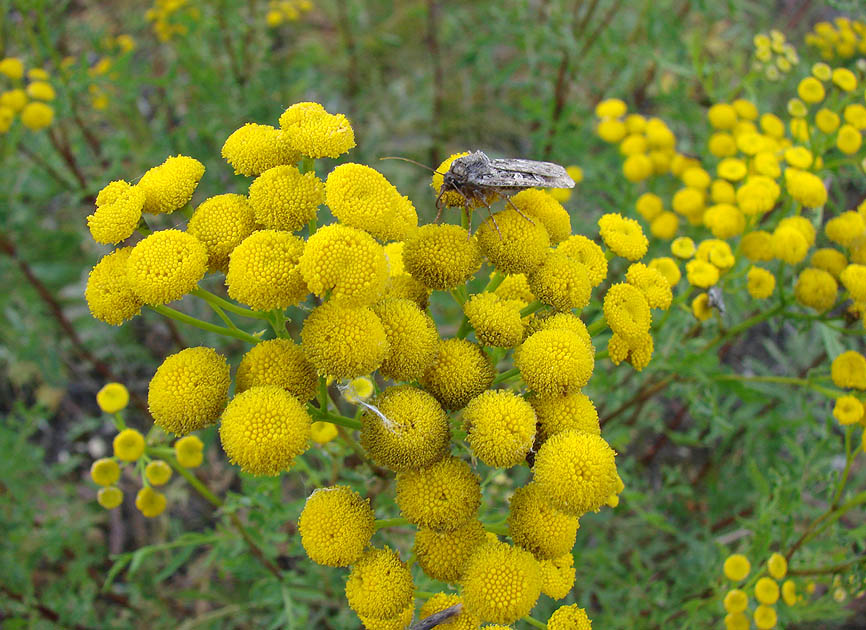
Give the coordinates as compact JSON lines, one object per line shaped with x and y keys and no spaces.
{"x":479,"y":179}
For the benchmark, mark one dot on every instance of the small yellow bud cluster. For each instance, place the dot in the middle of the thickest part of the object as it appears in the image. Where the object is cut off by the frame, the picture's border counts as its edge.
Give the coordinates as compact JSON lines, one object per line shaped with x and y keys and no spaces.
{"x":25,"y":95}
{"x":766,"y":590}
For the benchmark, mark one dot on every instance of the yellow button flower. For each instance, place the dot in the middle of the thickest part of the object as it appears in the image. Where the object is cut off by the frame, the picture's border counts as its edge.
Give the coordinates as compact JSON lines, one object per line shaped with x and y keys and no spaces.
{"x":554,"y":361}
{"x":760,"y":283}
{"x":736,"y":567}
{"x":169,"y":186}
{"x":668,"y":268}
{"x":561,"y":282}
{"x":443,"y":555}
{"x":110,"y":497}
{"x":830,"y":260}
{"x":278,"y":362}
{"x":157,"y":472}
{"x":569,"y":618}
{"x":854,"y":279}
{"x":849,"y":370}
{"x":150,"y":502}
{"x":36,"y":116}
{"x":284,"y":199}
{"x":501,"y":583}
{"x":654,"y":286}
{"x":537,"y":527}
{"x":116,"y":220}
{"x":313,"y":132}
{"x":222,"y":223}
{"x":586,"y":251}
{"x":128,"y":445}
{"x":189,"y":451}
{"x":500,"y":427}
{"x":379,"y":584}
{"x":459,"y":372}
{"x":627,"y":311}
{"x":847,"y":410}
{"x":777,"y":566}
{"x":336,"y":525}
{"x":816,"y":289}
{"x":264,"y":271}
{"x":496,"y":321}
{"x":513,"y":243}
{"x":542,"y":207}
{"x":253,"y":149}
{"x":623,"y":236}
{"x":105,"y":471}
{"x":165,"y":266}
{"x":113,"y":397}
{"x":441,"y":497}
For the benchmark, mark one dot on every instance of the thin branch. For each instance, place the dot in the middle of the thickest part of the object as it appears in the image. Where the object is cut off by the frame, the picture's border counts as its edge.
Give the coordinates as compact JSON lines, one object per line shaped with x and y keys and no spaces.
{"x":438,"y":618}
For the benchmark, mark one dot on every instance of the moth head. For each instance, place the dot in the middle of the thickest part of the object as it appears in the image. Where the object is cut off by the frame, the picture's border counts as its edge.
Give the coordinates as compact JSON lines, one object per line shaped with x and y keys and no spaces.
{"x":462,"y":166}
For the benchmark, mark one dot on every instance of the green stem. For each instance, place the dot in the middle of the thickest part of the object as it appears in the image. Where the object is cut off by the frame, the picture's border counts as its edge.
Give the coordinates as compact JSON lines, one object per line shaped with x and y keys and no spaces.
{"x":464,"y":329}
{"x":343,"y":421}
{"x":597,"y":326}
{"x":308,"y":165}
{"x":458,"y":297}
{"x":849,"y":458}
{"x":752,"y":321}
{"x":231,"y":307}
{"x":199,"y":487}
{"x":532,"y":307}
{"x":506,"y":375}
{"x":535,"y":622}
{"x":390,"y":522}
{"x":171,"y":313}
{"x":496,"y":278}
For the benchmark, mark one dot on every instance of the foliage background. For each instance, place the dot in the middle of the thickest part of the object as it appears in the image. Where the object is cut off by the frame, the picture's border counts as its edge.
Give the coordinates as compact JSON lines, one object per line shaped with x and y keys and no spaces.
{"x":709,"y":465}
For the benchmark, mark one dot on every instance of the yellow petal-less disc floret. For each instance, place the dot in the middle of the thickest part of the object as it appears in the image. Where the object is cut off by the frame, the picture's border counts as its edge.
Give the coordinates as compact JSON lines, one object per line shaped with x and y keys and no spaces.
{"x":169,"y":186}
{"x":459,"y":372}
{"x":557,"y":575}
{"x":701,"y":273}
{"x":109,"y":295}
{"x":36,"y":115}
{"x":539,"y":528}
{"x":336,"y":525}
{"x":668,"y":267}
{"x":847,"y":410}
{"x":559,"y":321}
{"x":587,"y":252}
{"x":264,"y":271}
{"x":496,"y":321}
{"x":849,"y":370}
{"x":845,"y":228}
{"x":765,"y":617}
{"x":627,"y":311}
{"x":443,"y":555}
{"x":561,"y":282}
{"x":805,"y":187}
{"x":760,"y":283}
{"x":361,"y":197}
{"x":452,"y":198}
{"x":767,"y":591}
{"x":757,"y":246}
{"x":575,"y":471}
{"x":412,"y":339}
{"x":441,"y":256}
{"x":623,"y":236}
{"x":113,"y":397}
{"x":344,"y":341}
{"x":116,"y":221}
{"x":735,"y":601}
{"x":165,"y":266}
{"x":542,"y":207}
{"x":221,"y":223}
{"x":441,"y":497}
{"x":513,"y":243}
{"x":638,"y":351}
{"x":128,"y":445}
{"x":347,"y":262}
{"x":105,"y":471}
{"x":501,"y":583}
{"x":109,"y":497}
{"x":279,"y":362}
{"x":736,"y":567}
{"x":263,"y":429}
{"x":652,"y":283}
{"x":556,"y":414}
{"x":515,"y":287}
{"x":500,"y":427}
{"x":379,"y":584}
{"x":253,"y":149}
{"x":569,"y":618}
{"x":313,"y":132}
{"x":401,"y":621}
{"x":157,"y":472}
{"x":405,"y":429}
{"x":150,"y":502}
{"x":189,"y":390}
{"x":12,"y":67}
{"x":853,"y":278}
{"x":189,"y":451}
{"x":284,"y":199}
{"x":816,"y":289}
{"x":552,"y":362}
{"x":463,"y":620}
{"x":777,"y":566}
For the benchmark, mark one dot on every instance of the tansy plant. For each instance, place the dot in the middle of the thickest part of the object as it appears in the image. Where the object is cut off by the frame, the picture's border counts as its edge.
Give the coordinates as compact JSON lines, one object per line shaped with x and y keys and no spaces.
{"x":453,"y":402}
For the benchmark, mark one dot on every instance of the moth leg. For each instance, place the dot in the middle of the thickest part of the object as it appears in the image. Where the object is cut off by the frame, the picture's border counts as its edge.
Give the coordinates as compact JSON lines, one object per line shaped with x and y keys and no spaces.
{"x":468,"y":214}
{"x":511,"y":203}
{"x":439,"y":204}
{"x":492,"y":218}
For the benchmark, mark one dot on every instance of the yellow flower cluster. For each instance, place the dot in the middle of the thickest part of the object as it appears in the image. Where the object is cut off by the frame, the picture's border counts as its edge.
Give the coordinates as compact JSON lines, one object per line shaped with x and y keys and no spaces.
{"x":773,"y":56}
{"x":171,"y":18}
{"x":766,"y":590}
{"x":25,"y":94}
{"x":283,"y":11}
{"x":841,"y":39}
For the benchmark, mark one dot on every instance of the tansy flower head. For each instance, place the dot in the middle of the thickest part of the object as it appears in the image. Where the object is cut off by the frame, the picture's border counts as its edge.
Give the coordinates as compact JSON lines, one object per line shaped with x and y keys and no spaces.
{"x":496,"y":321}
{"x":845,"y":228}
{"x":811,"y":90}
{"x":278,"y":362}
{"x":552,"y":362}
{"x":361,"y":197}
{"x":189,"y":451}
{"x":736,"y":567}
{"x":649,"y":206}
{"x":12,"y":67}
{"x":189,"y":390}
{"x":116,"y":220}
{"x":105,"y":471}
{"x":569,"y":618}
{"x":777,"y":566}
{"x":36,"y":115}
{"x":313,"y":132}
{"x":683,"y":247}
{"x":757,"y":246}
{"x":264,"y":271}
{"x":844,"y":79}
{"x":443,"y":555}
{"x":623,"y":236}
{"x":113,"y":397}
{"x":789,"y":592}
{"x":109,"y":294}
{"x":515,"y":287}
{"x":379,"y":584}
{"x":344,"y":341}
{"x":157,"y":472}
{"x":722,"y":116}
{"x":254,"y":148}
{"x":765,"y":617}
{"x":463,"y":620}
{"x":557,"y":575}
{"x":701,"y":273}
{"x":637,"y":167}
{"x":513,"y":243}
{"x":816,"y":289}
{"x":736,"y":601}
{"x":284,"y":199}
{"x":150,"y":502}
{"x":556,"y":414}
{"x":665,"y":226}
{"x":653,"y":284}
{"x":789,"y":244}
{"x":13,"y":100}
{"x":638,"y":351}
{"x":701,"y":308}
{"x":537,"y":527}
{"x":611,"y":108}
{"x":611,"y":130}
{"x":263,"y":429}
{"x":559,"y":321}
{"x":441,"y":497}
{"x":854,"y":279}
{"x":830,"y":260}
{"x":323,"y":432}
{"x":767,"y":591}
{"x":109,"y":497}
{"x":575,"y":471}
{"x":760,"y":283}
{"x":627,"y":311}
{"x":441,"y":256}
{"x":805,"y":187}
{"x":336,"y":525}
{"x":586,"y":251}
{"x":169,"y":186}
{"x":847,"y":410}
{"x":412,"y":339}
{"x":347,"y":262}
{"x":500,"y":427}
{"x":165,"y":266}
{"x":827,"y":120}
{"x":725,"y":220}
{"x":222,"y":223}
{"x":459,"y":372}
{"x":501,"y":583}
{"x":758,"y":195}
{"x":543,"y":208}
{"x":668,"y":268}
{"x":405,"y":429}
{"x":128,"y":445}
{"x":561,"y":282}
{"x":849,"y":140}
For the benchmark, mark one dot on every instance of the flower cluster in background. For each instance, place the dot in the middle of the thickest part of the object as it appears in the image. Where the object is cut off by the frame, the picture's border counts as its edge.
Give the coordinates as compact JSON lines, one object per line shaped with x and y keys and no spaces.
{"x":25,"y":95}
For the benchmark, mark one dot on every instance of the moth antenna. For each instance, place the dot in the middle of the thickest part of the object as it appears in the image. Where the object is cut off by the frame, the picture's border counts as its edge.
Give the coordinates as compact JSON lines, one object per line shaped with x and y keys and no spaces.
{"x":432,"y":170}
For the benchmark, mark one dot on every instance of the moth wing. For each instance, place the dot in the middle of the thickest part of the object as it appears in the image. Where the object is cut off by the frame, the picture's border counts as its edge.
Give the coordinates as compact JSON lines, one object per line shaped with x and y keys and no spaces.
{"x":531,"y":173}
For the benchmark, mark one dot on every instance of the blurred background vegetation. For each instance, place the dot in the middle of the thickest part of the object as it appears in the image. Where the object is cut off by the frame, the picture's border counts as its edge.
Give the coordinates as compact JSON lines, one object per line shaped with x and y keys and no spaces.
{"x":706,"y":463}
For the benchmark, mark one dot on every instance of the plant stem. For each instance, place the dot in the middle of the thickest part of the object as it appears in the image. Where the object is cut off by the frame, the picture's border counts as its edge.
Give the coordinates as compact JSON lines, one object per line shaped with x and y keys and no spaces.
{"x":506,"y":375}
{"x":531,"y":308}
{"x":390,"y":522}
{"x":535,"y":622}
{"x":343,"y":421}
{"x":231,"y":307}
{"x":198,"y":323}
